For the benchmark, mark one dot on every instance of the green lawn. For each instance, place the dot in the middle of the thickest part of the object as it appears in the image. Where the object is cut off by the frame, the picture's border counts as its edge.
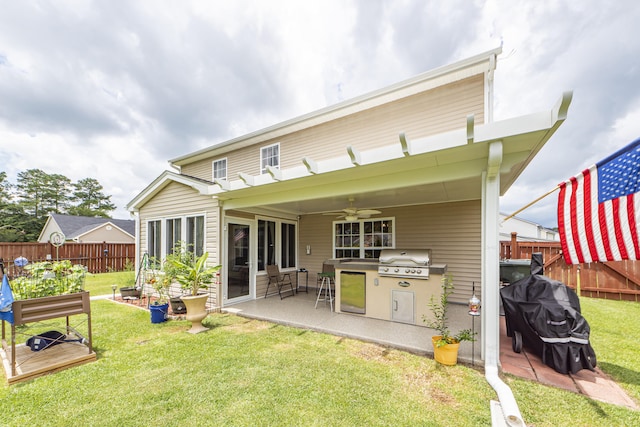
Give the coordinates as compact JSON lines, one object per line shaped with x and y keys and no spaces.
{"x":100,"y":284}
{"x":615,"y":335}
{"x":251,"y":373}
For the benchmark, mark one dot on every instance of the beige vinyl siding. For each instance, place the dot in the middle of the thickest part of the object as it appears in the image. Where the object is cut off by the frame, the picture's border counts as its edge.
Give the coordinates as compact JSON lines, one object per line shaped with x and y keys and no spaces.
{"x":180,"y":200}
{"x":435,"y":111}
{"x":261,"y":285}
{"x":315,"y":231}
{"x":450,"y":230}
{"x":101,"y":234}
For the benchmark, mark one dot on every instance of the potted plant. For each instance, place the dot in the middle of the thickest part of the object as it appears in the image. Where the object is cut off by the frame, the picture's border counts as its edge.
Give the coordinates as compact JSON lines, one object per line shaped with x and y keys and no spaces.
{"x":194,"y":275}
{"x":160,"y":307}
{"x":131,"y":290}
{"x":184,"y":256}
{"x":445,"y":345}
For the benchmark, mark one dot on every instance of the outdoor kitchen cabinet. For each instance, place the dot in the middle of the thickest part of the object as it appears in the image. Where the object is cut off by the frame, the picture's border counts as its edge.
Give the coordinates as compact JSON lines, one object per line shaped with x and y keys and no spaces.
{"x":391,"y":298}
{"x":403,"y":306}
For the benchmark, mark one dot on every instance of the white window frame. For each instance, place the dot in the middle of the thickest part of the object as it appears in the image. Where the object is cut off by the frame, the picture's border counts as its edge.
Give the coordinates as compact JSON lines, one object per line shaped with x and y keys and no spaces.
{"x":164,"y":249}
{"x":157,"y":237}
{"x":218,"y":162}
{"x":175,"y":237}
{"x":195,"y":231}
{"x":362,"y":248}
{"x":278,"y":241}
{"x":264,"y":157}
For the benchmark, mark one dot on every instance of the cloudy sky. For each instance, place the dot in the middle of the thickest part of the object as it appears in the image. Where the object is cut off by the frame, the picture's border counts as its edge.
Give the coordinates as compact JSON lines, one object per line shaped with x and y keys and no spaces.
{"x":113,"y":89}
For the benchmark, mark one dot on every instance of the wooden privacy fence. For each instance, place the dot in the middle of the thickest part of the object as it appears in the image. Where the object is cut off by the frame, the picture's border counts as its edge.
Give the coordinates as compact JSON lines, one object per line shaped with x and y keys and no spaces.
{"x":97,"y":257}
{"x":618,"y":280}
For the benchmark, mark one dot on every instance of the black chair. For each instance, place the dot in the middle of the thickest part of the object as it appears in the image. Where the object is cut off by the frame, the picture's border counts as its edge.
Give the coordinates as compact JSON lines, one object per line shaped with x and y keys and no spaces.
{"x":279,"y":280}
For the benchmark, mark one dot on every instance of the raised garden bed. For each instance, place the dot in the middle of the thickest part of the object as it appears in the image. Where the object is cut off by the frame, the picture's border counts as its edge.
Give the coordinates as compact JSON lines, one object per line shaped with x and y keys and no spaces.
{"x":48,"y":290}
{"x":20,"y":364}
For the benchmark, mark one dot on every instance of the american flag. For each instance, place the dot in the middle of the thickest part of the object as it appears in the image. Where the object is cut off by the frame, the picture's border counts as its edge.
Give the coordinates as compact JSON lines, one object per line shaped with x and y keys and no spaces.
{"x":598,"y":210}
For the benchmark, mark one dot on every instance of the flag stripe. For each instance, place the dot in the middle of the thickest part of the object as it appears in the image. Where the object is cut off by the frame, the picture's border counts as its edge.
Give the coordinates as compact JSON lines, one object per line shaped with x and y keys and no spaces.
{"x":632,"y":208}
{"x":561,"y":225}
{"x":599,"y":237}
{"x":617,"y":232}
{"x":575,"y":212}
{"x":588,"y":214}
{"x":604,"y":231}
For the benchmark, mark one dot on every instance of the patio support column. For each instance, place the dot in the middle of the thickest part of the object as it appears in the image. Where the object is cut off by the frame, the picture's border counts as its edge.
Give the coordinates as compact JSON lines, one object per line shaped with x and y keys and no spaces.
{"x":490,"y":256}
{"x":490,"y":288}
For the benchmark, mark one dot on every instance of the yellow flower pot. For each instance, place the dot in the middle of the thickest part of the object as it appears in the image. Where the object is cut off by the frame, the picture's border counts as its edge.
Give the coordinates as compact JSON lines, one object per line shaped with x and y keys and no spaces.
{"x":446,"y":354}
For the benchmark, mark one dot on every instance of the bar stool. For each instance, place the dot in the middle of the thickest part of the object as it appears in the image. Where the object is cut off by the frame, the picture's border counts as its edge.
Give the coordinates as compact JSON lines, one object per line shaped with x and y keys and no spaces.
{"x":326,"y":286}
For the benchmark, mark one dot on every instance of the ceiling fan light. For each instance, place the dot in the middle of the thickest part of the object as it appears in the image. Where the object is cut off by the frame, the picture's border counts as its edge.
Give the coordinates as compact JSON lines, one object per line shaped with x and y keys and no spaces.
{"x":351,"y":217}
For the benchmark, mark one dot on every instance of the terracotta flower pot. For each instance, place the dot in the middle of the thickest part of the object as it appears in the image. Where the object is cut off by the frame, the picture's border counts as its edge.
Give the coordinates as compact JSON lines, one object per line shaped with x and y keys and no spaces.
{"x":446,"y":354}
{"x":196,"y":311}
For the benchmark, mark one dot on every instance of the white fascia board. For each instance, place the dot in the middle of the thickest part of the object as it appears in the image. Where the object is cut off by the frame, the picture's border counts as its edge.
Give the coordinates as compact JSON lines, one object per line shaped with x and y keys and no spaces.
{"x":162,"y":181}
{"x":525,"y":124}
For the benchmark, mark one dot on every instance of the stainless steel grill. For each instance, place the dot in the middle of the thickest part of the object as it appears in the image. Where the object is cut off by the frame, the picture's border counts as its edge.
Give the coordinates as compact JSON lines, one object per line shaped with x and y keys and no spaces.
{"x":412,"y":263}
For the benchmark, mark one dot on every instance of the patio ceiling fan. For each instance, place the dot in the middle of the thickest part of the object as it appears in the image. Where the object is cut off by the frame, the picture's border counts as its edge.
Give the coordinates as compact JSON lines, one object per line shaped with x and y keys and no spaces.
{"x":352,"y":213}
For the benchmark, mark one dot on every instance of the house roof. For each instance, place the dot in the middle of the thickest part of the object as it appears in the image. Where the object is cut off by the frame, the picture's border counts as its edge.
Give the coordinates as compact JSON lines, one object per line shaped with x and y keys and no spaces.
{"x":75,"y":226}
{"x":474,"y":65}
{"x":439,"y":168}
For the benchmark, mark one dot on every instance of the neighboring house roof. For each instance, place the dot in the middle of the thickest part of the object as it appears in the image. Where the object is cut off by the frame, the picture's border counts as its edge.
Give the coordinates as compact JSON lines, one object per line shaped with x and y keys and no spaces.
{"x":73,"y":227}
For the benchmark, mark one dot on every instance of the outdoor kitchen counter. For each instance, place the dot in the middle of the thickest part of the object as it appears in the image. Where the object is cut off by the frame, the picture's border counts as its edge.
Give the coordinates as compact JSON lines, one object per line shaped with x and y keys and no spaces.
{"x":390,"y":298}
{"x":353,"y":265}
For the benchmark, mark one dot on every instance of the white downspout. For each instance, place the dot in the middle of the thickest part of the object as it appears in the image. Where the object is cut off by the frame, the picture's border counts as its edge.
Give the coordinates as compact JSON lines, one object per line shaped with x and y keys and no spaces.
{"x":490,"y":288}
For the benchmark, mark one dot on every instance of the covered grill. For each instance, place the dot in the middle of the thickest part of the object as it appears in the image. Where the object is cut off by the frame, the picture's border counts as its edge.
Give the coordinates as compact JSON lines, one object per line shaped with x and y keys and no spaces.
{"x":406,"y":263}
{"x":544,"y":315}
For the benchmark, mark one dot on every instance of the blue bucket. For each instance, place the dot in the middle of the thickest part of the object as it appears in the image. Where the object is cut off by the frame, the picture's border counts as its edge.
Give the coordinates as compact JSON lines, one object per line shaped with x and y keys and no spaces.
{"x":159,"y":312}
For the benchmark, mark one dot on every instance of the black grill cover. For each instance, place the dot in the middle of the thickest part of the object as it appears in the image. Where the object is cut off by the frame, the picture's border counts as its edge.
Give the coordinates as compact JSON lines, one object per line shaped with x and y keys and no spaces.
{"x":547,"y":314}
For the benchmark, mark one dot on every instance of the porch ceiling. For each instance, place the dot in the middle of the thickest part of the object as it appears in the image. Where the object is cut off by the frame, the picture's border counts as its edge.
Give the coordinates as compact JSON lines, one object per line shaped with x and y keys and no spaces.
{"x":441,"y":168}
